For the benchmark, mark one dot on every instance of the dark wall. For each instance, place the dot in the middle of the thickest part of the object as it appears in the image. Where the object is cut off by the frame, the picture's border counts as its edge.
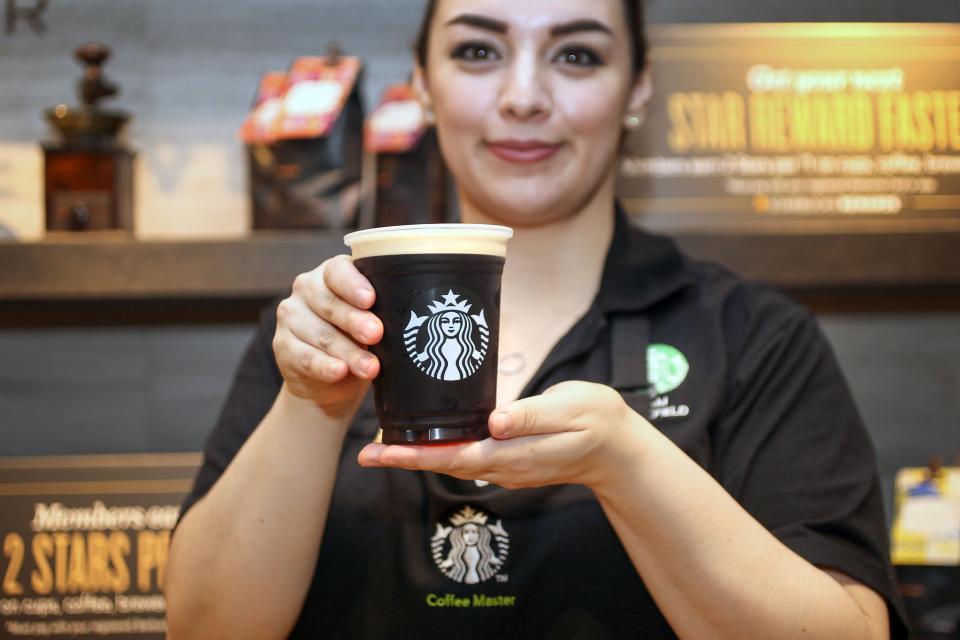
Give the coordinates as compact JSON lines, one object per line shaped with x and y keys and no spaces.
{"x":113,"y":390}
{"x":160,"y":388}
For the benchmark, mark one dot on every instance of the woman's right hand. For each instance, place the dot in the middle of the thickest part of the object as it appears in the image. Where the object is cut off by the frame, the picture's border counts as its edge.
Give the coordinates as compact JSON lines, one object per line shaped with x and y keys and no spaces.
{"x":323,"y":330}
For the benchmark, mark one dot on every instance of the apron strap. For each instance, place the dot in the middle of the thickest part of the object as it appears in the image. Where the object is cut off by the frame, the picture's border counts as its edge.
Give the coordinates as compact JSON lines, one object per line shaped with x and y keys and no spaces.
{"x":629,"y":339}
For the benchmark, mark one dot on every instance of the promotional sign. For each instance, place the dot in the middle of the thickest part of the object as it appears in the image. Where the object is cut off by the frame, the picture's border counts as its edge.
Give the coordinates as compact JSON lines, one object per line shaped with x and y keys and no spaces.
{"x":317,"y":92}
{"x":926,"y":525}
{"x":398,"y":122}
{"x":925,"y":546}
{"x":258,"y":125}
{"x":85,"y":542}
{"x":799,"y":127}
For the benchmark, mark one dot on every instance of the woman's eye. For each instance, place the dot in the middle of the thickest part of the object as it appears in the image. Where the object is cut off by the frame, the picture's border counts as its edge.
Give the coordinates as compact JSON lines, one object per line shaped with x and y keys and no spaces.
{"x":475,"y":52}
{"x":579,"y":57}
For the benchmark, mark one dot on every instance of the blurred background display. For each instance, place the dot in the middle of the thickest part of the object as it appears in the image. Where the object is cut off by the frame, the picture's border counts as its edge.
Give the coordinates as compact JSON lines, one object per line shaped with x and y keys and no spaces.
{"x":784,"y":127}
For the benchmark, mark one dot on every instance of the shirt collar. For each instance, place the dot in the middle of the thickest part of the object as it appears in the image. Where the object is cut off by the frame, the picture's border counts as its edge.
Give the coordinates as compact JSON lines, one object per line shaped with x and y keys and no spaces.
{"x":641,"y":268}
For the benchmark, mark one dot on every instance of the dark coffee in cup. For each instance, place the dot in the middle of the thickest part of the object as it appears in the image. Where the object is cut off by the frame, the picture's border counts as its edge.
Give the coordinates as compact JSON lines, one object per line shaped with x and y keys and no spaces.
{"x":438,"y":296}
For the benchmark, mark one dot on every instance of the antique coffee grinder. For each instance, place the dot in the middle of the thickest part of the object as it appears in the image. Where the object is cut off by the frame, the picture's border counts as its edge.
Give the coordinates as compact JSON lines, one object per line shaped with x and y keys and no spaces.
{"x":88,"y":171}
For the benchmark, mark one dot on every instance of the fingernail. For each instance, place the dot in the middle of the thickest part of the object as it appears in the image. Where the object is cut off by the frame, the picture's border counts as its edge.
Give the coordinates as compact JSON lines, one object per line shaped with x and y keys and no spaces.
{"x":370,"y":331}
{"x":365,"y":295}
{"x":368,"y":461}
{"x":366,"y":364}
{"x":502,"y":421}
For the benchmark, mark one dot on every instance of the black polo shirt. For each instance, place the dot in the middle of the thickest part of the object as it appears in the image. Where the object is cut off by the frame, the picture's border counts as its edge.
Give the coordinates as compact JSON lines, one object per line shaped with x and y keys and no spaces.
{"x":735,"y":374}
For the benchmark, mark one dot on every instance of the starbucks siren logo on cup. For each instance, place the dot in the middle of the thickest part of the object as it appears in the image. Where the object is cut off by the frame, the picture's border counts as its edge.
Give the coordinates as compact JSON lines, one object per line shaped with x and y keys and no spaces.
{"x":454,"y":342}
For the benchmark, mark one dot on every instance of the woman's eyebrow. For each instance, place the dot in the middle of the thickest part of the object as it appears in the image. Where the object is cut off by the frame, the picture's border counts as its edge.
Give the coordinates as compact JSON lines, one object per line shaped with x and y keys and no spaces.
{"x":498,"y":26}
{"x":577,"y":26}
{"x":480,"y":22}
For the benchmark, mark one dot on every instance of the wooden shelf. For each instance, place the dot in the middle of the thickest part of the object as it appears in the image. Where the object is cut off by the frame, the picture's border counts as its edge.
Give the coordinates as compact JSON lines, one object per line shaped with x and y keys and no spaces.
{"x":112,"y":268}
{"x":822,"y":261}
{"x":96,"y":277}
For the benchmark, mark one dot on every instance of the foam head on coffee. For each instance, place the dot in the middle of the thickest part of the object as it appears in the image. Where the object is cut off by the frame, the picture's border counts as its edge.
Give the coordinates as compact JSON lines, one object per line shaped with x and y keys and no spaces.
{"x":477,"y":239}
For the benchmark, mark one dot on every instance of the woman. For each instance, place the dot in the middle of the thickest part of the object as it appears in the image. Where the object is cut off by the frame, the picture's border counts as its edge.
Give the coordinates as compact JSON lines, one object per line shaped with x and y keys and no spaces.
{"x":675,"y":452}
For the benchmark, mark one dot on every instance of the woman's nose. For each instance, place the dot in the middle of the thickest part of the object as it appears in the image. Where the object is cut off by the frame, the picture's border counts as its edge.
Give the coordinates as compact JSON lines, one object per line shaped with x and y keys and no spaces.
{"x":525,"y":94}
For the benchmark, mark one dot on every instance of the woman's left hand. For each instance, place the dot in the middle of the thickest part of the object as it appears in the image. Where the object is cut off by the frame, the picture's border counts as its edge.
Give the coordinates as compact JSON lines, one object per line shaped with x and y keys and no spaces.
{"x":575,"y":432}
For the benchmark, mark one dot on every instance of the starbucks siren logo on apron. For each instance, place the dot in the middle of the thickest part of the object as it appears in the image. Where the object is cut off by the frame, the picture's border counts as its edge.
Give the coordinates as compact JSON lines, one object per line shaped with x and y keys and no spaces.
{"x":471,"y":549}
{"x":448,"y":343}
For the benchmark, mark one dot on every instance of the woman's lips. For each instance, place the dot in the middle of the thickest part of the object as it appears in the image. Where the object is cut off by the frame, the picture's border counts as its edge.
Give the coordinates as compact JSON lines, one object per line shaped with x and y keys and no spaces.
{"x":523,"y":151}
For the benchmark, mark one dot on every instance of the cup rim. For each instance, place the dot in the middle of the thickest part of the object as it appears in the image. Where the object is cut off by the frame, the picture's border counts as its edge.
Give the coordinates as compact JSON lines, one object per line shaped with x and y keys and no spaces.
{"x":447,"y":228}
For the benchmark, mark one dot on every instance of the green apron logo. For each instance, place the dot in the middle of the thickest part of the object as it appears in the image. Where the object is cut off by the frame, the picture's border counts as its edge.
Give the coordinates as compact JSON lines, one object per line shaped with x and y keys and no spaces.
{"x":666,"y":367}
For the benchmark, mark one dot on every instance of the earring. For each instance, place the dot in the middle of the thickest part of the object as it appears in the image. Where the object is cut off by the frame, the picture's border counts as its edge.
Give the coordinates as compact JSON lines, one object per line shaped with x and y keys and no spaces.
{"x":429,"y":116}
{"x":632,"y":121}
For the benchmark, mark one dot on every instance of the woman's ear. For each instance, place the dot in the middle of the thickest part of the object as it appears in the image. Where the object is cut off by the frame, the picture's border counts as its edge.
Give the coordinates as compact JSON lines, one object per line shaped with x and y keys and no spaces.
{"x":419,"y":83}
{"x":639,"y":97}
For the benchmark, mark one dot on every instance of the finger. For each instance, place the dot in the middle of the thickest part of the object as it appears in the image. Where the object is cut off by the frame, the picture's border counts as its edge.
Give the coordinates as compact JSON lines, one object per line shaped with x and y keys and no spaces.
{"x":311,"y":329}
{"x":345,"y":280}
{"x":306,"y":361}
{"x":462,"y":460}
{"x":369,"y":456}
{"x":536,"y":460}
{"x":547,"y":413}
{"x":532,"y":455}
{"x":524,"y":462}
{"x":312,"y":288}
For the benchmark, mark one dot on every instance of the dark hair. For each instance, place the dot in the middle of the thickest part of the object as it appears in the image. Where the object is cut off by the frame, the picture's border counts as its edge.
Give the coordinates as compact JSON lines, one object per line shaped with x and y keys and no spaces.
{"x":632,"y":9}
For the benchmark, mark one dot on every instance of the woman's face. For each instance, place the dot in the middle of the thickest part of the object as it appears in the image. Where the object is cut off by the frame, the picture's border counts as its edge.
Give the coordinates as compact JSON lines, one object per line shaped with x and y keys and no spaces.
{"x":450,"y":323}
{"x":471,"y":534}
{"x":529,"y":98}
